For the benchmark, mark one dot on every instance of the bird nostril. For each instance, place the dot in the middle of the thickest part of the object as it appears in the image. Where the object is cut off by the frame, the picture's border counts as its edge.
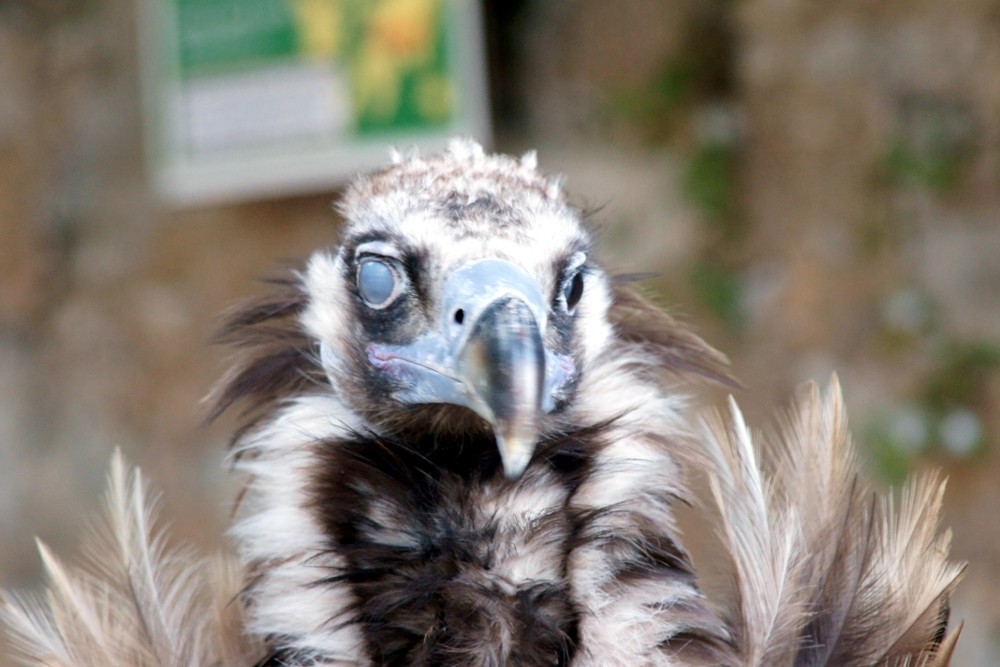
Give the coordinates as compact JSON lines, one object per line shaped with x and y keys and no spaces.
{"x":459,"y":316}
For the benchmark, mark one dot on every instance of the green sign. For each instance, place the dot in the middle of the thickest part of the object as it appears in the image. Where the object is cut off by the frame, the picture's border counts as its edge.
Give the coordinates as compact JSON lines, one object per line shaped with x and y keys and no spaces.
{"x":257,"y":97}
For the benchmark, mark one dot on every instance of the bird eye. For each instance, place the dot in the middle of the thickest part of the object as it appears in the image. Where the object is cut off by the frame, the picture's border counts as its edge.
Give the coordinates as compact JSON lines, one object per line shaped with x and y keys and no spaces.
{"x":573,"y":290}
{"x":378,"y":282}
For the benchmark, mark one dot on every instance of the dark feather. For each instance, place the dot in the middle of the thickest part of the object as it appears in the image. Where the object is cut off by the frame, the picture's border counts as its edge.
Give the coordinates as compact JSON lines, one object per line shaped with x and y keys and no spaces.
{"x":639,"y":320}
{"x":422,"y":563}
{"x":275,"y":358}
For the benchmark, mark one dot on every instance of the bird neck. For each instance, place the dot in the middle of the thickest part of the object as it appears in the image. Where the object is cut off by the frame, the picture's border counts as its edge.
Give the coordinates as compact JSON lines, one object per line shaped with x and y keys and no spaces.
{"x":410,"y":545}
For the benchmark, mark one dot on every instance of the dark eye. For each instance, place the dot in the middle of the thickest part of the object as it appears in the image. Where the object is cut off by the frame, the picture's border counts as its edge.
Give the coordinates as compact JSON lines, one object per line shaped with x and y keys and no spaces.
{"x":378,"y":282}
{"x":573,"y":290}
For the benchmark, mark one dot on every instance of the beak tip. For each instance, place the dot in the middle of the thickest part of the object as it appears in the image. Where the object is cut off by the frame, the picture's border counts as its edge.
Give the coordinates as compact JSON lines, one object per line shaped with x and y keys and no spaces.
{"x":515,"y":456}
{"x":513,"y":472}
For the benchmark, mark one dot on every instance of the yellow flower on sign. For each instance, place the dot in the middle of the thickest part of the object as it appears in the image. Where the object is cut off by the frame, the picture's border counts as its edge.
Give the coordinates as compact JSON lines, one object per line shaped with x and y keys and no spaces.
{"x":377,"y":88}
{"x":404,"y":28}
{"x":318,"y":23}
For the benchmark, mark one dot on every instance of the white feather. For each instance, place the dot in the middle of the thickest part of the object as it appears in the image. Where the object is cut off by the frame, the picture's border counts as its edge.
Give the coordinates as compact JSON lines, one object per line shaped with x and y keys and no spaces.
{"x":136,"y":602}
{"x":279,"y":538}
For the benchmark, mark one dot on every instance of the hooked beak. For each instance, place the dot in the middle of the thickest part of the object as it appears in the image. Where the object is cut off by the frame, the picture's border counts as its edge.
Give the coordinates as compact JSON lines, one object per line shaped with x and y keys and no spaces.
{"x":487,"y":354}
{"x":503,"y":363}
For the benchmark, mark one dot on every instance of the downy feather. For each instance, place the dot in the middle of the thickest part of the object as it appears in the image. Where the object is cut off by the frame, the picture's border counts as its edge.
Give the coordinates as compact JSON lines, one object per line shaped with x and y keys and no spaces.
{"x":134,"y":602}
{"x":825,"y":572}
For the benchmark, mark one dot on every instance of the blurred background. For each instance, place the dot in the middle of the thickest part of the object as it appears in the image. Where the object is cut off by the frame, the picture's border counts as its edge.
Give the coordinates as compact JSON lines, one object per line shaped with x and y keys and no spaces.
{"x":815,"y":184}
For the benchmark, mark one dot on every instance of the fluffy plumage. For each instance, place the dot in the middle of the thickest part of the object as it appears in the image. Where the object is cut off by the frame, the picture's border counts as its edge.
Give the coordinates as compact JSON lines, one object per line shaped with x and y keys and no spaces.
{"x":397,"y":514}
{"x":825,"y":572}
{"x":135,"y":601}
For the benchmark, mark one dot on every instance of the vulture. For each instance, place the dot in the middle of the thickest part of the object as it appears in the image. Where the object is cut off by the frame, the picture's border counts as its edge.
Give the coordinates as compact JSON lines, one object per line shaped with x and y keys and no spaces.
{"x":464,"y":444}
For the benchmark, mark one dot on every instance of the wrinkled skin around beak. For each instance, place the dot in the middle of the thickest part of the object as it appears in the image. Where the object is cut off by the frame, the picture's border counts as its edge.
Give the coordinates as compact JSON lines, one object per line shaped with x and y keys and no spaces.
{"x":487,"y":353}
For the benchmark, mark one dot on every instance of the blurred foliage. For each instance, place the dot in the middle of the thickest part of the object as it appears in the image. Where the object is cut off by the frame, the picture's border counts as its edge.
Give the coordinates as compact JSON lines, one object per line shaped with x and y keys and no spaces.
{"x":881,"y":232}
{"x":659,"y":108}
{"x":889,"y":454}
{"x":907,"y":166}
{"x":944,"y":416}
{"x":908,"y":318}
{"x":961,"y":373}
{"x":687,"y":106}
{"x":933,"y":143}
{"x":930,"y":151}
{"x":898,"y":439}
{"x":720,"y":289}
{"x":709,"y":182}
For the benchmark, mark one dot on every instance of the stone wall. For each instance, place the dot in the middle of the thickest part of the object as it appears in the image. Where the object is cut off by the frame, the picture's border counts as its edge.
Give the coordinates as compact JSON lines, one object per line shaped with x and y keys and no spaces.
{"x":872,"y":183}
{"x":108,"y":298}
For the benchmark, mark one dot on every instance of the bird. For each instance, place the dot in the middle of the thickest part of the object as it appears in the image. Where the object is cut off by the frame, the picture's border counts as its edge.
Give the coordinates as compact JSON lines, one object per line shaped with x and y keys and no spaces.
{"x":466,"y":443}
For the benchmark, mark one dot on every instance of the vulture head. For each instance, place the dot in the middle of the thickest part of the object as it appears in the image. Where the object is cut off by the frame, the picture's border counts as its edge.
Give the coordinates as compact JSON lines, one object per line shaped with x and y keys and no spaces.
{"x":463,"y":298}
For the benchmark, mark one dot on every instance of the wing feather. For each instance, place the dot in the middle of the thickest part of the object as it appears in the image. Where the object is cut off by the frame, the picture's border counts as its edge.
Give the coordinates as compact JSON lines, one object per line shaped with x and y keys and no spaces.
{"x":758,"y":532}
{"x":825,"y":571}
{"x":677,"y":348}
{"x":135,"y":601}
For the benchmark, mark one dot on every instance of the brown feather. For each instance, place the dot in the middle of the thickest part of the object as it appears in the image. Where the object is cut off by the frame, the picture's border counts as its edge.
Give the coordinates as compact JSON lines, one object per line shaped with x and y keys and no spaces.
{"x":275,"y":358}
{"x":946,"y":650}
{"x":825,"y":572}
{"x":639,"y":320}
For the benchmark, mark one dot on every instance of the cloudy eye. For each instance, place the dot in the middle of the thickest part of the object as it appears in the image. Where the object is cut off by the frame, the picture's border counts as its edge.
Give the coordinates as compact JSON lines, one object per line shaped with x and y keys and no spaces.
{"x":378,"y":282}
